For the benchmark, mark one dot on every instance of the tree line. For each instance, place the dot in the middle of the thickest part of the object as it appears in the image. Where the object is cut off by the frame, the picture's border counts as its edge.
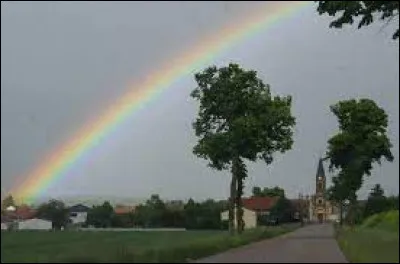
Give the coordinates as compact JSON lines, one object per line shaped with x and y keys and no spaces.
{"x":155,"y":213}
{"x":376,"y":203}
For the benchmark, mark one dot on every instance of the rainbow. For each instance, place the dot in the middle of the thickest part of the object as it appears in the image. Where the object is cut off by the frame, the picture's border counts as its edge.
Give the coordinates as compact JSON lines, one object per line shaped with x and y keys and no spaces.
{"x":64,"y":157}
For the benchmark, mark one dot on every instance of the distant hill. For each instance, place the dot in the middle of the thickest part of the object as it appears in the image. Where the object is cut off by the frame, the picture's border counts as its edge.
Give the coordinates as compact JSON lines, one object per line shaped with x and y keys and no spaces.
{"x":92,"y":200}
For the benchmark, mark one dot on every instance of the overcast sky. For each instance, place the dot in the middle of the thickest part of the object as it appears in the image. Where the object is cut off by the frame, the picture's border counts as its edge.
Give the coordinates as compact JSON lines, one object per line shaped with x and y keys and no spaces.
{"x":62,"y":63}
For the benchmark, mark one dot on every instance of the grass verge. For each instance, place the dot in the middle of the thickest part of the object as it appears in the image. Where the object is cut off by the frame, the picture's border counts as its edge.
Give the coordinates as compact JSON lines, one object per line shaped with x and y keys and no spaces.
{"x":375,"y":241}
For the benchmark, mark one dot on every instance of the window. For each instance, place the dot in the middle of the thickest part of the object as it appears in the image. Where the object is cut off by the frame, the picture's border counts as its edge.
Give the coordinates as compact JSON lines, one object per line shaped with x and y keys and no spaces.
{"x":73,"y":214}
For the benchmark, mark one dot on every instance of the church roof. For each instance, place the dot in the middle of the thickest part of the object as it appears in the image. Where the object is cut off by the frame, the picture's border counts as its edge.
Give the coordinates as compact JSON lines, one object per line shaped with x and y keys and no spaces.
{"x":320,"y":170}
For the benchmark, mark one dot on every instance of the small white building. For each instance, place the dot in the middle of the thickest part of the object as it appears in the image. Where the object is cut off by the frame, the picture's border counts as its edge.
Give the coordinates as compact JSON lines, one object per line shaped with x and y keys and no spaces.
{"x":35,"y":224}
{"x":249,"y":218}
{"x":4,"y":226}
{"x":252,"y":208}
{"x":78,"y":213}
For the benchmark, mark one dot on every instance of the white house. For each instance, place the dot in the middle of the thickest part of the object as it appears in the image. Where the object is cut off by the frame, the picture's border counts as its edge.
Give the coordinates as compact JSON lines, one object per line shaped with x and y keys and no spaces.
{"x":35,"y":224}
{"x":4,"y":226}
{"x":78,"y":213}
{"x":252,"y":208}
{"x":249,"y":218}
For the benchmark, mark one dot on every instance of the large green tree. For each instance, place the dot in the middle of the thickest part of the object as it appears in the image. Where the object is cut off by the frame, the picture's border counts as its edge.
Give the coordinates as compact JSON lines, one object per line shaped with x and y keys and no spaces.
{"x":239,"y":119}
{"x":366,"y":10}
{"x":360,"y":142}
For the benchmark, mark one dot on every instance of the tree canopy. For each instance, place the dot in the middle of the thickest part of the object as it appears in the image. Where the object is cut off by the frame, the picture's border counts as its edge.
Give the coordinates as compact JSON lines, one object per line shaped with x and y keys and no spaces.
{"x":268,"y":192}
{"x":368,"y":11}
{"x":101,"y":216}
{"x":377,"y":202}
{"x":360,"y":142}
{"x":7,"y":202}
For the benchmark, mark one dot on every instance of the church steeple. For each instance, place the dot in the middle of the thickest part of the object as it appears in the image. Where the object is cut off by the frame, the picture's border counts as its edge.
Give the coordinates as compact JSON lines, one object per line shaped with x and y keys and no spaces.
{"x":320,"y":170}
{"x":320,"y":179}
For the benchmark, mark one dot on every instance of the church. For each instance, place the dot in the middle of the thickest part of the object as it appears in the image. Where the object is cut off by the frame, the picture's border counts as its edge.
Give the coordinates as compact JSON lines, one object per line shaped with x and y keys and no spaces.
{"x":319,"y":208}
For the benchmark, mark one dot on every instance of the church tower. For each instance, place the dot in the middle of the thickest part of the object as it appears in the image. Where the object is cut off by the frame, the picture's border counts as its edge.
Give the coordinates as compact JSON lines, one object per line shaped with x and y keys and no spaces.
{"x":320,"y":189}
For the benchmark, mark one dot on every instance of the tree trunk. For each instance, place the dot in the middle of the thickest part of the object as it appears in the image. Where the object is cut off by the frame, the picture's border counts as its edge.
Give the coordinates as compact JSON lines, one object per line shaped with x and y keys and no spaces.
{"x":232,"y":204}
{"x":239,"y":210}
{"x":341,"y":213}
{"x":239,"y":170}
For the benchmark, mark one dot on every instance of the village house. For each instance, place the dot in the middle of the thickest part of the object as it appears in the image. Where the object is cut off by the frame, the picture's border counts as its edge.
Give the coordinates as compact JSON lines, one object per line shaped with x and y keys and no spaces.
{"x":124,"y":209}
{"x":78,"y":214}
{"x":253,"y":208}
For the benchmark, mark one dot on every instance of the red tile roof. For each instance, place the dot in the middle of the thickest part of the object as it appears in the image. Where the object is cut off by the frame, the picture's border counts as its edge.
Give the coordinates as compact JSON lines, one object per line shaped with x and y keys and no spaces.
{"x":22,"y":212}
{"x":122,"y":209}
{"x":259,"y":203}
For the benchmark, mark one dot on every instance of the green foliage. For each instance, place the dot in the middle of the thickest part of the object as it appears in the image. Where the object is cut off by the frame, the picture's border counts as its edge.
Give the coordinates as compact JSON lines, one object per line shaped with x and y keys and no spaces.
{"x":388,"y":220}
{"x":204,"y":215}
{"x":377,"y":202}
{"x":375,"y":241}
{"x":393,"y":202}
{"x":101,"y":216}
{"x":361,"y":141}
{"x":123,"y":220}
{"x":239,"y":119}
{"x":152,"y":213}
{"x":56,"y":212}
{"x":268,"y":192}
{"x":366,"y":10}
{"x":8,"y":201}
{"x":282,"y":210}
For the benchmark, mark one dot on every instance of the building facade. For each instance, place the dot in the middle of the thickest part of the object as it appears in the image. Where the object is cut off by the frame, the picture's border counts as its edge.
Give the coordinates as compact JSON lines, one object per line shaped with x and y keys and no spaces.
{"x":78,"y":214}
{"x":35,"y":224}
{"x":253,"y":208}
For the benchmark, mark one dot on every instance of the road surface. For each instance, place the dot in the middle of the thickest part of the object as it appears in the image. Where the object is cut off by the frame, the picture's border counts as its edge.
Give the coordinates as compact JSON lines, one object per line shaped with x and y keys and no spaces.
{"x":310,"y":244}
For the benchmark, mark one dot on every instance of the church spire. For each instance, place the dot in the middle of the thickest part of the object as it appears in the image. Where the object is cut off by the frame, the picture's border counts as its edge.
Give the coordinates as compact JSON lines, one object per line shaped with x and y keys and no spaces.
{"x":320,"y":170}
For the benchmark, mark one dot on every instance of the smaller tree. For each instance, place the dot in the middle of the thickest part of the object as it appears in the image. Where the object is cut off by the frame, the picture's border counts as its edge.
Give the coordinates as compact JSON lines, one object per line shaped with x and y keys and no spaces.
{"x":152,"y":213}
{"x":338,"y":193}
{"x":56,"y":212}
{"x":282,"y":210}
{"x":257,"y":192}
{"x":101,"y":216}
{"x":268,"y":192}
{"x":7,"y":202}
{"x":377,"y":202}
{"x":393,"y":202}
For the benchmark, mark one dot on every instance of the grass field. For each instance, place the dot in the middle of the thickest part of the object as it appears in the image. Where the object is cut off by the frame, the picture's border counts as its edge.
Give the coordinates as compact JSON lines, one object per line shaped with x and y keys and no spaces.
{"x":151,"y":246}
{"x":375,"y":241}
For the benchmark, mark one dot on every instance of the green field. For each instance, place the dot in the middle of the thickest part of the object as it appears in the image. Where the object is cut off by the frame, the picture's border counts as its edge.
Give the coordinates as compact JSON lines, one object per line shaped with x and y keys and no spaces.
{"x":148,"y":246}
{"x":375,"y":241}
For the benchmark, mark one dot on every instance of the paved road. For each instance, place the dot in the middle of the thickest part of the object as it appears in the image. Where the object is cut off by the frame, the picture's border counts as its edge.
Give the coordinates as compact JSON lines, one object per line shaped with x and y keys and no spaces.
{"x":310,"y":244}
